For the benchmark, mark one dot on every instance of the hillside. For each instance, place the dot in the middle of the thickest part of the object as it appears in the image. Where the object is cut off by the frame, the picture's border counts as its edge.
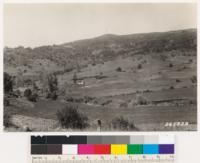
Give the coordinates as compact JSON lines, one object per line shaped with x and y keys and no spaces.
{"x":100,"y":49}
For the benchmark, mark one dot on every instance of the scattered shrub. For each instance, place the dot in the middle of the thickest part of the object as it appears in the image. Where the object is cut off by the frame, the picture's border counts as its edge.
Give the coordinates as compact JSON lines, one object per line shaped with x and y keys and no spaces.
{"x":85,"y":99}
{"x":119,"y":69}
{"x":52,"y":83}
{"x":99,"y":122}
{"x":172,"y":87}
{"x":17,"y":93}
{"x":139,"y":66}
{"x":8,"y":83}
{"x":7,"y":120}
{"x":48,"y":95}
{"x":79,"y":100}
{"x":193,"y":102}
{"x":75,"y":78}
{"x":106,"y":102}
{"x":144,"y":61}
{"x":27,"y":93}
{"x":95,"y":102}
{"x":69,"y":99}
{"x":147,"y":91}
{"x":163,"y":57}
{"x":26,"y":128}
{"x":100,"y":76}
{"x":140,"y":100}
{"x":6,"y":102}
{"x":70,"y":117}
{"x":88,"y":99}
{"x":171,"y":65}
{"x":27,"y":81}
{"x":194,"y":79}
{"x":33,"y":97}
{"x":190,"y":61}
{"x":123,"y":105}
{"x":178,"y":80}
{"x":120,"y":123}
{"x":53,"y":87}
{"x":53,"y":96}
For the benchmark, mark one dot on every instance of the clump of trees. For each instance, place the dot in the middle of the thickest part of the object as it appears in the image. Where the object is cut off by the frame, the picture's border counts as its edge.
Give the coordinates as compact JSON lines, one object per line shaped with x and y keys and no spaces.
{"x":70,"y":117}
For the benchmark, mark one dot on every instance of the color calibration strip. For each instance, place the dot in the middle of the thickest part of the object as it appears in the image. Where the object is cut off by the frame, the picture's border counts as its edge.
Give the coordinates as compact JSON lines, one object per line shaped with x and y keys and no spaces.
{"x":102,"y":145}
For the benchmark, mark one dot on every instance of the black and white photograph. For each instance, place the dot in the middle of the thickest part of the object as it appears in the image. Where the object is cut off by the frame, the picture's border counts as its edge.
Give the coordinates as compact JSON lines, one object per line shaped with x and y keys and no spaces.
{"x":100,"y":67}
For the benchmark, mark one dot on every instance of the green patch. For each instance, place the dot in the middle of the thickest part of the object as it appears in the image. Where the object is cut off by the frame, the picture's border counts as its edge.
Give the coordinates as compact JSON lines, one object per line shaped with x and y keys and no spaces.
{"x":135,"y":149}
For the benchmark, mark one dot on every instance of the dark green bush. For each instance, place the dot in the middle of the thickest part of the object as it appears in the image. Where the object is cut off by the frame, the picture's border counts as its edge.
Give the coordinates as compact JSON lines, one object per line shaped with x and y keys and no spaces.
{"x":70,"y":117}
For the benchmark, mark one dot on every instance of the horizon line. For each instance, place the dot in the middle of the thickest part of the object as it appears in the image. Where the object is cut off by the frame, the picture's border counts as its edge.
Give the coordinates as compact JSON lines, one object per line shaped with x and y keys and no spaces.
{"x":70,"y":42}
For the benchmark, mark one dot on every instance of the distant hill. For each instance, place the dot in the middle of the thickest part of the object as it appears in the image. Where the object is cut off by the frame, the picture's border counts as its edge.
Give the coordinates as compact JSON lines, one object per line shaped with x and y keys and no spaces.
{"x":102,"y":49}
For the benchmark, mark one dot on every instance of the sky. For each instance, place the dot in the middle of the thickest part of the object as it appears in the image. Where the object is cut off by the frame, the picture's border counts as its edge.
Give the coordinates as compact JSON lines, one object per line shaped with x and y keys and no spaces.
{"x":32,"y":25}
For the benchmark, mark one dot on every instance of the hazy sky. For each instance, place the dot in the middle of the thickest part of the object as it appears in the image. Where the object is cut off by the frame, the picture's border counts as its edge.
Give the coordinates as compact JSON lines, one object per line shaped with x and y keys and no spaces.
{"x":46,"y":24}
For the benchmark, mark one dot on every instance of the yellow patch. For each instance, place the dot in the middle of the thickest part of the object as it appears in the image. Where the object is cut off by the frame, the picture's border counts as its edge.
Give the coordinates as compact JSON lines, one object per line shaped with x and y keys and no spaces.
{"x":118,"y":149}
